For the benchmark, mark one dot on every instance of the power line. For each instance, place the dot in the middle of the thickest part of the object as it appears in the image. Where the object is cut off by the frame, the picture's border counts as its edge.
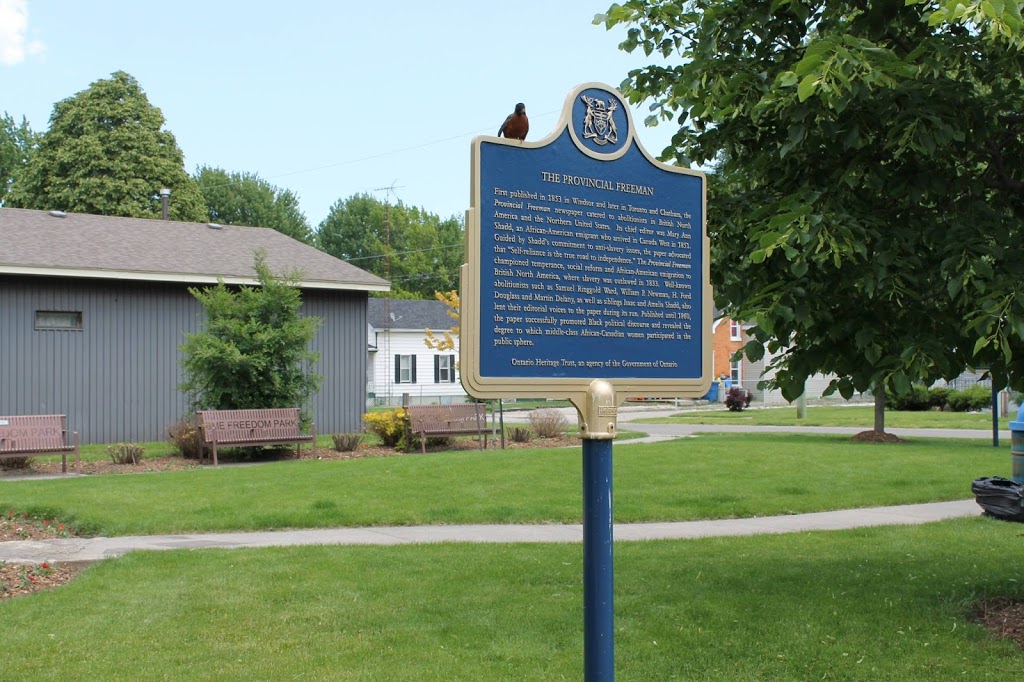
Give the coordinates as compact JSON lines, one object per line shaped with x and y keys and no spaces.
{"x":379,"y":155}
{"x":417,"y":276}
{"x":402,"y":150}
{"x":399,"y":253}
{"x":389,"y":189}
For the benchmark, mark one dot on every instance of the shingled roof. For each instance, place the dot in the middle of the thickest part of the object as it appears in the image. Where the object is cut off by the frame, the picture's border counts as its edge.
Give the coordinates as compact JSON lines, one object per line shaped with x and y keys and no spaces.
{"x":105,"y":247}
{"x":396,"y":314}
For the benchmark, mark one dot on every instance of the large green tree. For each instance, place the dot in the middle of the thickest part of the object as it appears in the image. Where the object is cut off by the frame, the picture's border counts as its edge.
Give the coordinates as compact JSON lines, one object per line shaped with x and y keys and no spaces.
{"x":17,"y":141}
{"x":419,"y":252}
{"x":253,"y":351}
{"x":247,"y":199}
{"x":106,"y":153}
{"x":867,"y":180}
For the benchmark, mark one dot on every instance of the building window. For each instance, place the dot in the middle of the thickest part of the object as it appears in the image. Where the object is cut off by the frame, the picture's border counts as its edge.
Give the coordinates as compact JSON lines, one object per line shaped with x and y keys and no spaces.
{"x":734,"y":372}
{"x":735,"y":333}
{"x":57,"y":320}
{"x":444,"y":369}
{"x":405,"y":369}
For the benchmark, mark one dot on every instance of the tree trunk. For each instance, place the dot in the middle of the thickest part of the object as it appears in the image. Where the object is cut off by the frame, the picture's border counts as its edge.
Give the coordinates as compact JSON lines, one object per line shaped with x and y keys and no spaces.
{"x":879,"y":391}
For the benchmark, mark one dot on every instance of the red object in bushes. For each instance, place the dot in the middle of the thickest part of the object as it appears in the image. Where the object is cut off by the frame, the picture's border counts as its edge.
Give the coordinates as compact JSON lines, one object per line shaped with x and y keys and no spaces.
{"x":737,"y":398}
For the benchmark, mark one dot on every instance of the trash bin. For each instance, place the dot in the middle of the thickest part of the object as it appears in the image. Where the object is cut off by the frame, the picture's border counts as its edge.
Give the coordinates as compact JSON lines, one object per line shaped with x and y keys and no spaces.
{"x":1017,"y":447}
{"x":1000,"y":497}
{"x":712,"y":393}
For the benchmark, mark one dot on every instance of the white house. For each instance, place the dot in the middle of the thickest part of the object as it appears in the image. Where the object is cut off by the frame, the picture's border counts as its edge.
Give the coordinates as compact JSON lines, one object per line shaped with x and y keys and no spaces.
{"x":401,"y":363}
{"x":753,"y":372}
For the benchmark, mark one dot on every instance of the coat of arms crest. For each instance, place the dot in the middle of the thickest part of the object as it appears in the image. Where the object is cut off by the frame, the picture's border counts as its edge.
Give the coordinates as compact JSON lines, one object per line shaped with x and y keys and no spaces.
{"x":598,"y":124}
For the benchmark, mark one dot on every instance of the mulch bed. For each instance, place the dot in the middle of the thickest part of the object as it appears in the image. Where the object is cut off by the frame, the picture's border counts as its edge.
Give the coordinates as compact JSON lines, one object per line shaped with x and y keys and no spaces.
{"x":177,"y":463}
{"x":876,"y":437}
{"x":17,"y":580}
{"x":1002,"y":617}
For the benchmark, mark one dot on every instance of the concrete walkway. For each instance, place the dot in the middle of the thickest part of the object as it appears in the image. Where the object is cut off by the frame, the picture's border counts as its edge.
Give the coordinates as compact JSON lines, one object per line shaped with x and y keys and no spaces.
{"x":669,"y":431}
{"x":631,"y":412}
{"x":95,"y":549}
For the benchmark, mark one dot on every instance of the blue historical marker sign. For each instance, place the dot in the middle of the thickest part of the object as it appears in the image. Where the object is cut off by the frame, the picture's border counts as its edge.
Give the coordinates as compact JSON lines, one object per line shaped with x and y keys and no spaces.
{"x":587,"y":259}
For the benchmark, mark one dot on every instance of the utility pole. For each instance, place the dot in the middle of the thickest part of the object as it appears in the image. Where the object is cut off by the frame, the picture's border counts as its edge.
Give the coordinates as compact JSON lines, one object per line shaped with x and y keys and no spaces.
{"x":388,"y":315}
{"x":388,"y":191}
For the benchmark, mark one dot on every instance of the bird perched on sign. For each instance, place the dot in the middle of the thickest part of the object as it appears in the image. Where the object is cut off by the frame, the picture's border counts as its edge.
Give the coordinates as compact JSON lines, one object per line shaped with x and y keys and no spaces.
{"x":516,"y":125}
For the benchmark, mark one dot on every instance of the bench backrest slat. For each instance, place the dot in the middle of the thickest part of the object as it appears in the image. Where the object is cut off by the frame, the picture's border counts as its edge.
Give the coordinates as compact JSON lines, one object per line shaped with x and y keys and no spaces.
{"x":33,"y":432}
{"x":239,"y":425}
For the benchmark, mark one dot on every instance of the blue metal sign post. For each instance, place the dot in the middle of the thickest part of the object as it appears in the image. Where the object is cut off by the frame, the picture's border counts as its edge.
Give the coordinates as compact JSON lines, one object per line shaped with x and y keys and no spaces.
{"x":598,"y":582}
{"x":586,"y":278}
{"x":598,"y":587}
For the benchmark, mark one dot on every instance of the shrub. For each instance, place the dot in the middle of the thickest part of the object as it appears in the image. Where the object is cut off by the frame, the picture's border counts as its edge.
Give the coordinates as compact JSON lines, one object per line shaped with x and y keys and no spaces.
{"x":519,"y":434}
{"x":125,"y":453}
{"x":14,"y":463}
{"x":970,"y":399}
{"x":346,"y":442}
{"x":187,"y":438}
{"x":738,"y":399}
{"x":253,"y":348}
{"x":938,"y":396}
{"x":548,"y":423}
{"x":389,"y":426}
{"x":918,"y":400}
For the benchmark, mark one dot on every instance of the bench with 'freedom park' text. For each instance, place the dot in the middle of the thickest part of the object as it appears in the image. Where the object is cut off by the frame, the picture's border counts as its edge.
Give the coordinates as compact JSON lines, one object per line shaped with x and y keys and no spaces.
{"x":253,"y":428}
{"x":40,"y":434}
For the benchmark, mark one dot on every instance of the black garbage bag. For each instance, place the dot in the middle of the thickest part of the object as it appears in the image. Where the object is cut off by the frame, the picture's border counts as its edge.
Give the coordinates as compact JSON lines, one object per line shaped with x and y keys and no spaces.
{"x":1000,"y":497}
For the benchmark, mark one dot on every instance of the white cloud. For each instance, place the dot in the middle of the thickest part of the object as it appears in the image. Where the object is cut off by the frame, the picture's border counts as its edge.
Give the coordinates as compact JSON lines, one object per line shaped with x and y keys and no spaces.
{"x":15,"y":45}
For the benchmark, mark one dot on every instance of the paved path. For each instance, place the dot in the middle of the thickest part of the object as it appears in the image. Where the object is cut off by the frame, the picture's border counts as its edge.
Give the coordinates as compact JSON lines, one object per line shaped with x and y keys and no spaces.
{"x":94,"y":549}
{"x":661,"y":432}
{"x":682,"y":430}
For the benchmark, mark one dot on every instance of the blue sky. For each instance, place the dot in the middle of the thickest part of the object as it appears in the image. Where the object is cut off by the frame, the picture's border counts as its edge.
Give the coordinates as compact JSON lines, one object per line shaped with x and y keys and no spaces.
{"x":326,"y":99}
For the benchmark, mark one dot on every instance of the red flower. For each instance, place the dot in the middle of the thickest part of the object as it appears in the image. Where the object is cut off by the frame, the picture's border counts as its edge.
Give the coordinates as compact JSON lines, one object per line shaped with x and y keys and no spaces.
{"x":45,"y":522}
{"x":44,"y":565}
{"x":60,"y":526}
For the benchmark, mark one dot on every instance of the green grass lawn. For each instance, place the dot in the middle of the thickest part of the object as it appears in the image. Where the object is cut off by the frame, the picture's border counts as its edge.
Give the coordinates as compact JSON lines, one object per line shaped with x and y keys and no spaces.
{"x":868,"y":604}
{"x":710,"y":476}
{"x":833,"y":416}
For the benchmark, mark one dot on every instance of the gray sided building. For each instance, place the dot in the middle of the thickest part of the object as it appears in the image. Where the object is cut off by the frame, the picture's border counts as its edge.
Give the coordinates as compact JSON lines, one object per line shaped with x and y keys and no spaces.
{"x":93,"y":310}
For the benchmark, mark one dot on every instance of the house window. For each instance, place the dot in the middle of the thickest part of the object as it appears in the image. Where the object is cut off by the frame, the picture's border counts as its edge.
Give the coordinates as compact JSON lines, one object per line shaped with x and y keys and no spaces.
{"x":735,"y":333}
{"x":444,"y":369}
{"x":58,"y":320}
{"x":734,"y":372}
{"x":405,"y":369}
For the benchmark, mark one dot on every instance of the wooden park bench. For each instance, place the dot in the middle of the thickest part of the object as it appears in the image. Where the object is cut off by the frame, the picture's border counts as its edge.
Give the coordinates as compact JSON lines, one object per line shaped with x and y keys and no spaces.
{"x":251,"y":428}
{"x":461,"y":419}
{"x":41,"y":434}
